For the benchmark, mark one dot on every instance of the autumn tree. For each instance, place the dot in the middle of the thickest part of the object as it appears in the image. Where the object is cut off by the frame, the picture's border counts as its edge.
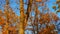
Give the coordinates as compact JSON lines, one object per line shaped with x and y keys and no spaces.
{"x":43,"y":22}
{"x":21,"y":27}
{"x":6,"y":9}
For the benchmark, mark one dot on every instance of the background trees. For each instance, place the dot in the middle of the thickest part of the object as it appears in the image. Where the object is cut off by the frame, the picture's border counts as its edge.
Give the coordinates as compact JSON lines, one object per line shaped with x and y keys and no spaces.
{"x":43,"y":22}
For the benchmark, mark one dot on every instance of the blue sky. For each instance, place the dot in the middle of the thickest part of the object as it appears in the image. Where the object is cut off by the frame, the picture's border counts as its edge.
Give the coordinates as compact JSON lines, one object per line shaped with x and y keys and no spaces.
{"x":14,"y":4}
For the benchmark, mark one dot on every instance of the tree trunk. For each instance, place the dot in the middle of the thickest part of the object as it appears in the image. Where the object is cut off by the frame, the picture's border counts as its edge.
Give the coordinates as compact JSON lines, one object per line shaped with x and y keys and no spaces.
{"x":36,"y":18}
{"x":29,"y":8}
{"x":21,"y":27}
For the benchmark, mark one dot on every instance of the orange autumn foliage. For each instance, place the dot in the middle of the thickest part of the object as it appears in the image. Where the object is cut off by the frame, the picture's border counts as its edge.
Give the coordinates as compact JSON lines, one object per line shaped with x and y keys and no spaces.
{"x":54,"y":17}
{"x":48,"y":30}
{"x":45,"y":18}
{"x":38,"y":0}
{"x":1,"y":20}
{"x":42,"y":4}
{"x":4,"y":32}
{"x":11,"y":28}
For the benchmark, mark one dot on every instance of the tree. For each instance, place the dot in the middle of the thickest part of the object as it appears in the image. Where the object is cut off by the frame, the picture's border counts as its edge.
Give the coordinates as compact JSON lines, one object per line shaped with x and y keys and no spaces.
{"x":21,"y":27}
{"x":41,"y":22}
{"x":6,"y":26}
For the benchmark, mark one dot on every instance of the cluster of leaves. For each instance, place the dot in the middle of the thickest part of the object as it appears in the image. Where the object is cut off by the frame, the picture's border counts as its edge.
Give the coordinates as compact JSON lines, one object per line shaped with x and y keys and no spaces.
{"x":48,"y":30}
{"x":38,"y":0}
{"x":13,"y":19}
{"x":1,"y":18}
{"x":45,"y":18}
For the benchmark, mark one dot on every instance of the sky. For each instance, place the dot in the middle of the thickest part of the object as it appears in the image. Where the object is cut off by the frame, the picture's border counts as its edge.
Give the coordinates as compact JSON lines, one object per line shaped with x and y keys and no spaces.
{"x":14,"y":4}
